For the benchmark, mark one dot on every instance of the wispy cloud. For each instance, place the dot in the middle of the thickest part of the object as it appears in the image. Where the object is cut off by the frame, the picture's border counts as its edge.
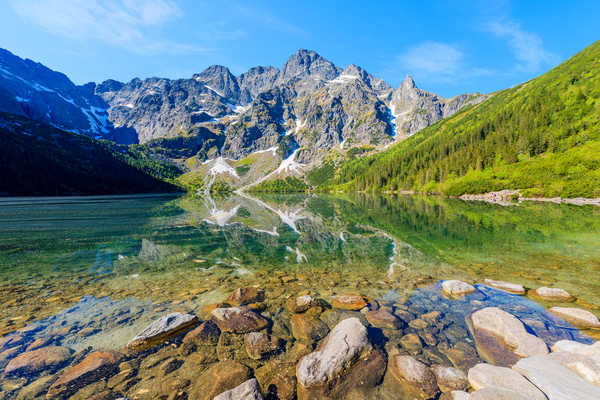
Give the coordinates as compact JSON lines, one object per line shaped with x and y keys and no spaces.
{"x":527,"y":47}
{"x":124,"y":23}
{"x":436,"y":62}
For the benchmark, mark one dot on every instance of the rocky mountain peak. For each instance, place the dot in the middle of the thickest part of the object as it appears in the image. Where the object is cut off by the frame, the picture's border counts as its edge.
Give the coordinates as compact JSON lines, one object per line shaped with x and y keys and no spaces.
{"x":255,"y":81}
{"x":408,"y":83}
{"x":305,"y":63}
{"x":220,"y":80}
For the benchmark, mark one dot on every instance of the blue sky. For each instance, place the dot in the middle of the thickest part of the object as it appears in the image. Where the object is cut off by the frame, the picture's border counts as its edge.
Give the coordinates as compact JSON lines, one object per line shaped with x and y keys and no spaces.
{"x":449,"y":47}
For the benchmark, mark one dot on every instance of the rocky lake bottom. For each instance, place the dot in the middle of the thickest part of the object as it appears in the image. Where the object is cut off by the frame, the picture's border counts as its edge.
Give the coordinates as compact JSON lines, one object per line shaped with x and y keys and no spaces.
{"x":284,"y":297}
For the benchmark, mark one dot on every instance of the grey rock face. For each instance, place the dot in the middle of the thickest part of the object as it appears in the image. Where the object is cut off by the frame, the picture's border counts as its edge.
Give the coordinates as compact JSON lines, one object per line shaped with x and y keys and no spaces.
{"x":255,"y":81}
{"x":220,"y":80}
{"x":32,"y":90}
{"x":305,"y":63}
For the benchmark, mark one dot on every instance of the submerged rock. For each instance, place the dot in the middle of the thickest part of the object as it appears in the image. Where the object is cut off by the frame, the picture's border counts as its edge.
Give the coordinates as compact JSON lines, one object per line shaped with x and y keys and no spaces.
{"x":414,"y":377}
{"x":36,"y":361}
{"x":556,"y":381}
{"x":238,"y":320}
{"x":500,"y":337}
{"x":219,"y":378}
{"x":382,"y":318}
{"x":486,"y":375}
{"x":299,"y":304}
{"x":345,"y":360}
{"x":509,"y":287}
{"x":97,"y":365}
{"x":246,"y":295}
{"x":162,"y":329}
{"x":576,"y":316}
{"x":259,"y":345}
{"x":552,"y":294}
{"x":308,"y":327}
{"x":456,"y":288}
{"x":277,"y":379}
{"x":248,"y":390}
{"x":207,"y":333}
{"x":450,"y":379}
{"x":349,"y":302}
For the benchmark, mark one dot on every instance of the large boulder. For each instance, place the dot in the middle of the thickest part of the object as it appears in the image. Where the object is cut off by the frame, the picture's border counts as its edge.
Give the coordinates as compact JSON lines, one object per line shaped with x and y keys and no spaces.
{"x":556,"y":381}
{"x":509,"y":287}
{"x":455,"y":288}
{"x":344,"y":361}
{"x":414,"y":378}
{"x":500,"y":337}
{"x":238,"y":320}
{"x":580,"y":318}
{"x":248,"y":390}
{"x":162,"y":329}
{"x":97,"y":365}
{"x":455,"y":395}
{"x":497,"y":393}
{"x":34,"y":362}
{"x":486,"y":375}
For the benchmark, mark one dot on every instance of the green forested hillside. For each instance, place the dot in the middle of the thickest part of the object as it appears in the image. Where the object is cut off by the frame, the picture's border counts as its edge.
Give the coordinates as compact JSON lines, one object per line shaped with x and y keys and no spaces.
{"x":37,"y":159}
{"x":542,"y":137}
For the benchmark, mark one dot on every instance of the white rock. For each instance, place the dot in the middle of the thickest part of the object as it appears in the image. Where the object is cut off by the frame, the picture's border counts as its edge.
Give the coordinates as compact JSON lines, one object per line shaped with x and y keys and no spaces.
{"x":342,"y":346}
{"x":496,"y":393}
{"x":584,"y":366}
{"x":514,"y":288}
{"x":576,"y":316}
{"x":487,"y":375}
{"x":456,"y":288}
{"x":556,"y":381}
{"x":570,"y":346}
{"x":510,"y":330}
{"x":455,"y":395}
{"x":248,"y":390}
{"x":553,"y":294}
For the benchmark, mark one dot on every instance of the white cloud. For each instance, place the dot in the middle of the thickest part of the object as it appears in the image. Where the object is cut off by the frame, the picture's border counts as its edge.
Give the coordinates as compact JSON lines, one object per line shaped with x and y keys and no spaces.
{"x":124,"y":23}
{"x":527,"y":47}
{"x":436,"y":62}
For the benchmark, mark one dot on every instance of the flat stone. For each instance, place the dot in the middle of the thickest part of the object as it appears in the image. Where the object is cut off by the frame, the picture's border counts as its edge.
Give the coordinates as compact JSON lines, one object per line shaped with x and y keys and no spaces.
{"x":384,"y":319}
{"x":500,"y":337}
{"x":259,"y":345}
{"x":97,"y":365}
{"x":219,"y":378}
{"x":496,"y":393}
{"x":449,"y":379}
{"x":456,"y":288}
{"x":509,"y":287}
{"x":248,"y":390}
{"x":349,"y":302}
{"x":570,"y":346}
{"x":455,"y":395}
{"x":299,"y":304}
{"x":415,"y":378}
{"x":586,"y":367}
{"x":246,"y":295}
{"x":162,"y":329}
{"x":576,"y":316}
{"x":343,"y":344}
{"x":487,"y":375}
{"x":556,"y":381}
{"x":238,"y":320}
{"x":36,"y":361}
{"x":308,"y":327}
{"x":552,"y":294}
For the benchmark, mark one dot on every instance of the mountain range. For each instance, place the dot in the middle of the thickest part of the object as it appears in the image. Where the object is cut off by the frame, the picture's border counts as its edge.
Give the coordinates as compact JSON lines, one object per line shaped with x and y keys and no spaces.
{"x":309,"y":104}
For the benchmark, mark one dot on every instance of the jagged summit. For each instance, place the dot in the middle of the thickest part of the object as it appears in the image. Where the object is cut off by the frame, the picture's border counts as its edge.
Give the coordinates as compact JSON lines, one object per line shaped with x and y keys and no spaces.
{"x":308,"y":63}
{"x":409,"y":82}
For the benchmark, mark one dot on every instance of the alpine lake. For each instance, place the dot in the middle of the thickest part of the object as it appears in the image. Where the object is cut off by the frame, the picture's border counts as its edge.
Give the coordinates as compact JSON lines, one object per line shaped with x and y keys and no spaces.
{"x":87,"y":274}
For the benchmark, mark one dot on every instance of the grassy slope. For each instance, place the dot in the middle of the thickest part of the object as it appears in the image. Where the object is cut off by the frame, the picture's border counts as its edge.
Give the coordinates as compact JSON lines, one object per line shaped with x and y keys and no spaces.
{"x":37,"y":159}
{"x":542,"y":137}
